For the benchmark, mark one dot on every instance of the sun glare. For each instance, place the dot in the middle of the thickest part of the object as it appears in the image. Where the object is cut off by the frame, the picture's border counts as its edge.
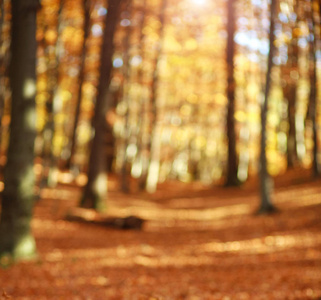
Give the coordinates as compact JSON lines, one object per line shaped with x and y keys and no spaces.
{"x":198,"y":2}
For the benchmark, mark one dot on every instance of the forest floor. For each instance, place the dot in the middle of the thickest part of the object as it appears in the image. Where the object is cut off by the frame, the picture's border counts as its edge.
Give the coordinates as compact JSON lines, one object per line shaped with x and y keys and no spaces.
{"x":196,"y":243}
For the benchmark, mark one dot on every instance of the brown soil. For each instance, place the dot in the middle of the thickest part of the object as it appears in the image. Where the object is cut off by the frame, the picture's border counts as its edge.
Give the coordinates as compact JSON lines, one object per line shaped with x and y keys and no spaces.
{"x":196,"y":243}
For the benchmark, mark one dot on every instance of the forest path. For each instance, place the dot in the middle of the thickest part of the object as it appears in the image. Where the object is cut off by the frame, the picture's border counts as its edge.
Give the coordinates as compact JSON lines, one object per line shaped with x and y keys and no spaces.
{"x":197,"y":243}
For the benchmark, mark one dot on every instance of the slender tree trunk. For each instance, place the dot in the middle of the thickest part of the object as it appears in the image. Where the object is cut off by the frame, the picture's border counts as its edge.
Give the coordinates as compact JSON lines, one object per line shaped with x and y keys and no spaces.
{"x":142,"y":143}
{"x":49,"y":158}
{"x":16,"y":238}
{"x":154,"y":163}
{"x":291,"y":141}
{"x":232,"y":167}
{"x":290,"y":93}
{"x":86,"y":29}
{"x":4,"y":61}
{"x":313,"y":91}
{"x":2,"y":67}
{"x":126,"y":57}
{"x":266,"y":180}
{"x":95,"y":191}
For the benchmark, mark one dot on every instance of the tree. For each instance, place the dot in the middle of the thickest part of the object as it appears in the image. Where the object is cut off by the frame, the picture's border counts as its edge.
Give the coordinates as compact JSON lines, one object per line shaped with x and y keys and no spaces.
{"x":95,"y":190}
{"x":290,"y":91}
{"x":142,"y":142}
{"x":16,"y":238}
{"x":49,"y":157}
{"x":312,"y":111}
{"x":86,"y":29}
{"x":126,"y":59}
{"x":4,"y":59}
{"x":232,"y":167}
{"x":266,"y":181}
{"x":155,"y":140}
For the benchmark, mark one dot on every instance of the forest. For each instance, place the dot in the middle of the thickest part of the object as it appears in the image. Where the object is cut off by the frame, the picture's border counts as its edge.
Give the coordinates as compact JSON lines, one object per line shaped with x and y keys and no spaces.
{"x":160,"y":149}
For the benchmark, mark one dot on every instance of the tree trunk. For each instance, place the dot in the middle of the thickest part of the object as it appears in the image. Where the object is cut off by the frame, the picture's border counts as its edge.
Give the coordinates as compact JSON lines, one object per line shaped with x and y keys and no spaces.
{"x":232,"y":167}
{"x":86,"y":29}
{"x":16,"y":238}
{"x":4,"y":61}
{"x":266,"y":180}
{"x":49,"y":165}
{"x":290,"y":93}
{"x":95,"y":191}
{"x":126,"y":60}
{"x":313,"y":92}
{"x":155,"y":142}
{"x":2,"y":67}
{"x":143,"y":137}
{"x":291,"y":140}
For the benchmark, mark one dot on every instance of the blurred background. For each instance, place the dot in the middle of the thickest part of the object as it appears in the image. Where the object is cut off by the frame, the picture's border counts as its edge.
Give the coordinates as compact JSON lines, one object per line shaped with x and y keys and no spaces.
{"x":166,"y":106}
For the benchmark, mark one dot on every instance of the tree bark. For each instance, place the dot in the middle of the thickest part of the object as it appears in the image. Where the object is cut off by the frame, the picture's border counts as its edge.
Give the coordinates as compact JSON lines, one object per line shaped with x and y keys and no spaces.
{"x":127,"y":70}
{"x":95,"y":191}
{"x":16,"y":238}
{"x":313,"y":91}
{"x":4,"y":61}
{"x":290,"y":92}
{"x":265,"y":179}
{"x":232,"y":165}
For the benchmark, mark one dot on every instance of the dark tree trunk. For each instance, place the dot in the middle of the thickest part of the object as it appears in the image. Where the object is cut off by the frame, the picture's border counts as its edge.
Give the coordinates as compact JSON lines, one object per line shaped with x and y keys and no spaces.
{"x":265,"y":179}
{"x":4,"y":61}
{"x":232,"y":165}
{"x":144,"y":137}
{"x":16,"y":238}
{"x":290,"y":93}
{"x":313,"y":91}
{"x":126,"y":58}
{"x":2,"y":67}
{"x":95,"y":191}
{"x":291,"y":141}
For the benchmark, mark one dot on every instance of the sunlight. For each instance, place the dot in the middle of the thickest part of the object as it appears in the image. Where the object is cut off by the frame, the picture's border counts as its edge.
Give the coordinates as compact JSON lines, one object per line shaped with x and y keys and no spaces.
{"x":308,"y":196}
{"x":268,"y":244}
{"x":25,"y":248}
{"x":29,"y":88}
{"x":217,"y":213}
{"x":27,"y":181}
{"x":100,"y":184}
{"x":65,"y":177}
{"x":198,"y":2}
{"x":29,"y":118}
{"x":148,"y":256}
{"x":58,"y":194}
{"x":81,"y":179}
